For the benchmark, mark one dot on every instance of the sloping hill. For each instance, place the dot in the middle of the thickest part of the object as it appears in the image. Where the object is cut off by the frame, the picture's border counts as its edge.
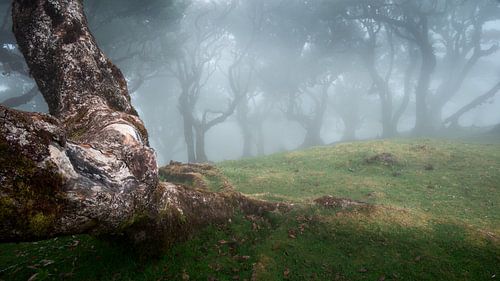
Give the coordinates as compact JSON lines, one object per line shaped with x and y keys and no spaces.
{"x":448,"y":180}
{"x":432,"y":213}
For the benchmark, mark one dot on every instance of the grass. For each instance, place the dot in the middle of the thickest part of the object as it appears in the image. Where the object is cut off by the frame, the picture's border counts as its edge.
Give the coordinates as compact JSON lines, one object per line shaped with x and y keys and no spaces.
{"x":446,"y":180}
{"x":434,"y":215}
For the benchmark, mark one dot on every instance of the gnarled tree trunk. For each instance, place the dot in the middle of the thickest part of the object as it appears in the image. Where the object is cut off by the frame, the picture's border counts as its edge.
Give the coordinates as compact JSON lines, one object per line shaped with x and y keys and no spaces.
{"x":87,"y":167}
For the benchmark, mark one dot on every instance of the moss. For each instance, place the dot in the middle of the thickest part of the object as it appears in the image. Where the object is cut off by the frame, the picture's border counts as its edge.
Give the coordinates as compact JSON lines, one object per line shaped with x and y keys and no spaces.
{"x":137,"y":219}
{"x":77,"y":126}
{"x":39,"y":224}
{"x":7,"y":208}
{"x":31,"y":198}
{"x":76,"y":134}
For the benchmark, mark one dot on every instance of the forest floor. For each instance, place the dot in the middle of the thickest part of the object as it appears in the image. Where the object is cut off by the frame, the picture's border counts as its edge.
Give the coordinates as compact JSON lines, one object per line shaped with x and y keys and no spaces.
{"x":430,"y":211}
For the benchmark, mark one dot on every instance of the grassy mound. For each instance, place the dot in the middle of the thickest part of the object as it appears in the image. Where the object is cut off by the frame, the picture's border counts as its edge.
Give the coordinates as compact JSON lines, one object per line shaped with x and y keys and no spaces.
{"x":433,"y":213}
{"x":449,"y":181}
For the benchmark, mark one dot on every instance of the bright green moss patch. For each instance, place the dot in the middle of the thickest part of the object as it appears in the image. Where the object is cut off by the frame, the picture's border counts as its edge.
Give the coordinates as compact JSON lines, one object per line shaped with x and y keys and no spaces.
{"x":7,"y":208}
{"x":40,"y":223}
{"x":29,"y":197}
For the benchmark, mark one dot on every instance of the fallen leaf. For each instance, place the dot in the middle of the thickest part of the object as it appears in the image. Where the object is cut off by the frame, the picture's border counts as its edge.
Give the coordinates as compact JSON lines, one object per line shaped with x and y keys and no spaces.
{"x":46,"y":262}
{"x":286,"y":273}
{"x":255,"y":226}
{"x":363,"y":270}
{"x":32,"y":267}
{"x":33,"y":277}
{"x":241,"y":258}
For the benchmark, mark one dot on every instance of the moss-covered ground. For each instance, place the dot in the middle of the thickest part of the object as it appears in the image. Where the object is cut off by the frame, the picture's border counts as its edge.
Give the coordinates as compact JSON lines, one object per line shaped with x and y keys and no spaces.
{"x":433,"y":214}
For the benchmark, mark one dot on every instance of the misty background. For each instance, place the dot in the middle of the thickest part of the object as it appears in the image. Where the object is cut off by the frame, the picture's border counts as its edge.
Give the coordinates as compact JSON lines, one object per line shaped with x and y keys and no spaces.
{"x":226,"y":79}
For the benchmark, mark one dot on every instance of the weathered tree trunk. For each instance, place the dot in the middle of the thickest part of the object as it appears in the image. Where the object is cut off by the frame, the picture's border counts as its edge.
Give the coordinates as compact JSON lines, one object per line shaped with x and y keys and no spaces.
{"x":243,"y":123}
{"x":87,"y":168}
{"x":313,"y":136}
{"x":188,"y":122}
{"x":382,"y":85}
{"x":461,"y":66}
{"x":422,"y":124}
{"x":388,"y":128}
{"x":407,"y":88}
{"x":247,"y":140}
{"x":201,"y":156}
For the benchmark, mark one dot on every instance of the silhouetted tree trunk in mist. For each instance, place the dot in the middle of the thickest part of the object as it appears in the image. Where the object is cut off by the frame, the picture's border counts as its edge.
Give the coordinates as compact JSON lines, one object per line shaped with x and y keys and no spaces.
{"x":313,"y":130}
{"x":407,"y":86}
{"x":345,"y":104}
{"x":351,"y":120}
{"x":458,"y":59}
{"x":413,"y":26}
{"x":194,"y":63}
{"x":428,"y":64}
{"x":312,"y":123}
{"x":245,"y":127}
{"x":87,"y":166}
{"x":206,"y":123}
{"x":259,"y":140}
{"x":313,"y":136}
{"x":381,"y":83}
{"x":454,"y":118}
{"x":186,"y":111}
{"x":201,"y":155}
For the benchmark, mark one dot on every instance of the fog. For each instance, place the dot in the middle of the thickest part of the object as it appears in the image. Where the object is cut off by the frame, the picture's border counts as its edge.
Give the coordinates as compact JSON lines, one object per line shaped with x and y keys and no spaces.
{"x":217,"y":80}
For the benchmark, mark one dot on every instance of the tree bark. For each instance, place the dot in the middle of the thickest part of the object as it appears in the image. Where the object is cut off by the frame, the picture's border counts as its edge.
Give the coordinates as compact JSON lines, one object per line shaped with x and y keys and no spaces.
{"x":87,"y":167}
{"x":407,"y":88}
{"x":201,"y":156}
{"x":312,"y":137}
{"x":188,"y":122}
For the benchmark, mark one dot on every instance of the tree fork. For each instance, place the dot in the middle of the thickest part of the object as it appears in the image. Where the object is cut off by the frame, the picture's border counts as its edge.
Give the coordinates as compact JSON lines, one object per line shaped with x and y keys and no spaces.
{"x":87,"y":167}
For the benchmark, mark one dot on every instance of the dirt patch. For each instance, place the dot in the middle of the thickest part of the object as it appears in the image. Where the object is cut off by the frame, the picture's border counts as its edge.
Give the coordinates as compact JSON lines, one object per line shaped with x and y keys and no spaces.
{"x":428,"y":167}
{"x":334,"y":202}
{"x":384,"y":158}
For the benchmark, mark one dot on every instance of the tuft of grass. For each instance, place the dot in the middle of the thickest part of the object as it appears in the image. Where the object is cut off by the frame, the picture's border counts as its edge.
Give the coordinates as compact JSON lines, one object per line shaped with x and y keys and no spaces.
{"x":434,"y":215}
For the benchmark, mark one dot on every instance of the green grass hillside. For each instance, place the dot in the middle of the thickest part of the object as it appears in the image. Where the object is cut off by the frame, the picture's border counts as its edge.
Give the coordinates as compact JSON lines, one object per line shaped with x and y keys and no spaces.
{"x":433,"y":213}
{"x":448,"y":181}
